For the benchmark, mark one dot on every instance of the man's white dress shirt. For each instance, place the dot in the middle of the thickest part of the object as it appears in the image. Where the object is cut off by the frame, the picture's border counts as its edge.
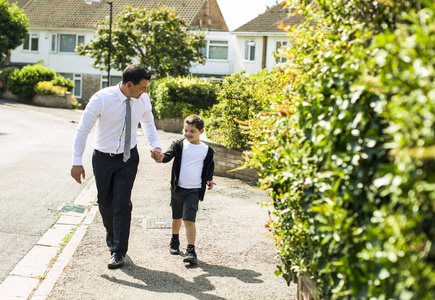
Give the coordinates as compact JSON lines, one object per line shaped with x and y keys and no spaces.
{"x":106,"y":109}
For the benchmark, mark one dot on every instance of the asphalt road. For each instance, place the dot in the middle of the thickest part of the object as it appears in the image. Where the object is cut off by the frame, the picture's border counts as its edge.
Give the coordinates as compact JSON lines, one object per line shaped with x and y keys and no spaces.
{"x":35,"y":163}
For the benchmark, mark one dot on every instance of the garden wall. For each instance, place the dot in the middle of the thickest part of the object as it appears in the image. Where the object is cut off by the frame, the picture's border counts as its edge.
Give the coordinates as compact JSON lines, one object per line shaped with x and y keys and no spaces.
{"x":53,"y":100}
{"x":227,"y":160}
{"x":43,"y":100}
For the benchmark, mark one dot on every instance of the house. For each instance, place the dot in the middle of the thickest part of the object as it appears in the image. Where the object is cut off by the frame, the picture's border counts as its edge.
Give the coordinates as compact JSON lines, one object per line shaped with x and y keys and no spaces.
{"x":56,"y":27}
{"x":257,"y":40}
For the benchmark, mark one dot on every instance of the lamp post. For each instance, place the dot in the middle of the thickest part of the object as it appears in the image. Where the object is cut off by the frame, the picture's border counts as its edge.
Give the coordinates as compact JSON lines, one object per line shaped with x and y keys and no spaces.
{"x":110,"y":33}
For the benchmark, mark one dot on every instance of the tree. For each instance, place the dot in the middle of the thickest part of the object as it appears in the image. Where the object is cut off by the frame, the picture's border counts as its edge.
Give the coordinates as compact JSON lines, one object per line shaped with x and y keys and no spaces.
{"x":13,"y":27}
{"x":157,"y":38}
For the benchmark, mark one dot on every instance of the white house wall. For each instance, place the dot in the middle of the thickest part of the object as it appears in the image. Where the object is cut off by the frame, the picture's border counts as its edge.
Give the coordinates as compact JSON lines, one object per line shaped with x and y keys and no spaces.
{"x":59,"y":61}
{"x":73,"y":63}
{"x":218,"y":67}
{"x":255,"y":66}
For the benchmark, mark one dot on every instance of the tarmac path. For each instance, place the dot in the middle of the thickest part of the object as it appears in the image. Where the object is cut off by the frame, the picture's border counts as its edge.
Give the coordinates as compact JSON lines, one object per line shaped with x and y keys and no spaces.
{"x":236,"y":255}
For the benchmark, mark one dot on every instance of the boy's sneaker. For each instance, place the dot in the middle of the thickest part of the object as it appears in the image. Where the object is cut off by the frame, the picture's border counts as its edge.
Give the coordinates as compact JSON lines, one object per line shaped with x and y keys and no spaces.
{"x":190,"y":255}
{"x":174,"y":247}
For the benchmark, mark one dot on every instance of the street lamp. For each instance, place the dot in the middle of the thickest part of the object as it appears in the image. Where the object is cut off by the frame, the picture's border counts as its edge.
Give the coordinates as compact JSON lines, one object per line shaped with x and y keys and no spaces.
{"x":110,"y":33}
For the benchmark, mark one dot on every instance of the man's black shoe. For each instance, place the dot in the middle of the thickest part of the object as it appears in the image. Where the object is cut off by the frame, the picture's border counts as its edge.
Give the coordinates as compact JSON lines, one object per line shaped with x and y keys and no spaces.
{"x":174,"y":247}
{"x":190,"y":255}
{"x":115,"y":261}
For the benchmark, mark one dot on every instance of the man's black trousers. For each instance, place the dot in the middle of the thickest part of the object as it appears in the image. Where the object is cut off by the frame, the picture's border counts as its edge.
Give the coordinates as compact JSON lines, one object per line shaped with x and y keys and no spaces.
{"x":114,"y":179}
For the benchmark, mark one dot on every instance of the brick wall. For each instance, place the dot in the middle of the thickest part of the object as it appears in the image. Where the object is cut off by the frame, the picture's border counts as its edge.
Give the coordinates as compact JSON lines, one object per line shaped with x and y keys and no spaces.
{"x":53,"y":100}
{"x":227,"y":160}
{"x":210,"y":17}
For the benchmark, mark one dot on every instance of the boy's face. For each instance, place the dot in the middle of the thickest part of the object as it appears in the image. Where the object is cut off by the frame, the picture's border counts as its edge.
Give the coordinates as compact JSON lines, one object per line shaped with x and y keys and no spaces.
{"x":191,"y":133}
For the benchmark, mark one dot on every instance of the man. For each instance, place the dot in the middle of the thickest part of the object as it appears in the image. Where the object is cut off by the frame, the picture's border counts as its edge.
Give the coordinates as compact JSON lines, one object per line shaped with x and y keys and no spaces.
{"x":115,"y":158}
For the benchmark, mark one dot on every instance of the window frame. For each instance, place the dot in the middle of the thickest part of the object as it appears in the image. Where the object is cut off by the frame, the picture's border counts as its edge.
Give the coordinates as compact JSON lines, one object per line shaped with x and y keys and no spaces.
{"x":250,"y":50}
{"x":277,"y":47}
{"x":54,"y":38}
{"x":29,"y":40}
{"x":77,"y":38}
{"x":223,"y":44}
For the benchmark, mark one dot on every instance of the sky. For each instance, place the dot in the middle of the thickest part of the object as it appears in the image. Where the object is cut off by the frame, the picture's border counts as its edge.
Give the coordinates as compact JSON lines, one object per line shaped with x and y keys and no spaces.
{"x":239,"y":12}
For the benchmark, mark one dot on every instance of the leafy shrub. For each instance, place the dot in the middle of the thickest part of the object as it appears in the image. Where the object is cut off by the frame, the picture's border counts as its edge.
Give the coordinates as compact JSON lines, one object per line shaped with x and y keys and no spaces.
{"x":240,"y":98}
{"x":63,"y":82}
{"x":75,"y":103}
{"x":181,"y":96}
{"x":4,"y":76}
{"x":47,"y":88}
{"x":347,"y":152}
{"x":22,"y":82}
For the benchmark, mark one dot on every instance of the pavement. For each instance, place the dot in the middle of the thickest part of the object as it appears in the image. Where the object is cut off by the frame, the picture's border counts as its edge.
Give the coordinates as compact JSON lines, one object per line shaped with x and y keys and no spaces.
{"x":235,"y":252}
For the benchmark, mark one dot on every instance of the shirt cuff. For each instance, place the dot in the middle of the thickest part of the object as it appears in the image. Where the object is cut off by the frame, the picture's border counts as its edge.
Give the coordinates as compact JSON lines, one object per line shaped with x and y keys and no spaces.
{"x":77,"y":161}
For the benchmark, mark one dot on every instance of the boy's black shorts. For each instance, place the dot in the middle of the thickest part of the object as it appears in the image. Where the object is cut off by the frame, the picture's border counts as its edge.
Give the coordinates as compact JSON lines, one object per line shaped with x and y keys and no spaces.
{"x":184,"y":203}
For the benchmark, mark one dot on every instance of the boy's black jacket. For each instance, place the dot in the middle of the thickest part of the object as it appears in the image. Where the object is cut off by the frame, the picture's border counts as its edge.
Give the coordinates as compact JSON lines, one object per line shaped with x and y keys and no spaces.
{"x":176,"y":150}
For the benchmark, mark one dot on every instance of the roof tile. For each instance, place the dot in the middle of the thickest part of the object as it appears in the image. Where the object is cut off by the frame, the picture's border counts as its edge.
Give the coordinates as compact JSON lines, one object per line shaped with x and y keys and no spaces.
{"x":270,"y":20}
{"x":78,"y":14}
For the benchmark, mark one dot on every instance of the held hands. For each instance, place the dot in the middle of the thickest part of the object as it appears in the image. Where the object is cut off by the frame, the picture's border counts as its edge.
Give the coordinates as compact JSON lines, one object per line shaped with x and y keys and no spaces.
{"x":210,"y":184}
{"x":78,"y":172}
{"x":157,"y":155}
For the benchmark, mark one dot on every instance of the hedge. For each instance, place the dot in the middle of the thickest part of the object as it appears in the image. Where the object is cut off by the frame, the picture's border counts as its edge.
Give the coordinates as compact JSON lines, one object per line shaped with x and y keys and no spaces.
{"x":347,"y":152}
{"x":240,"y":98}
{"x":181,"y":96}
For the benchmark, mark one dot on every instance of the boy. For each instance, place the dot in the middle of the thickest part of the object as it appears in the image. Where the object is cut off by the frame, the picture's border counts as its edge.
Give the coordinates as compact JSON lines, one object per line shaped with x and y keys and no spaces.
{"x":192,"y":170}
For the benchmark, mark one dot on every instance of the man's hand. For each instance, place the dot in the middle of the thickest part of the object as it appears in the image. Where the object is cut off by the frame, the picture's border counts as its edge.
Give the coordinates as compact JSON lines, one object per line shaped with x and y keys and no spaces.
{"x":157,"y":155}
{"x":78,"y":172}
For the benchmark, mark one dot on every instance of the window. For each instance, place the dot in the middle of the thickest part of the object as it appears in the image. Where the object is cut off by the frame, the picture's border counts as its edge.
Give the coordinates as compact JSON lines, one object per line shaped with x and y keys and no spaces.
{"x":54,"y":42}
{"x":250,"y":50}
{"x":68,"y":42}
{"x":114,"y":80}
{"x":280,"y":44}
{"x":77,"y":79}
{"x":216,"y":50}
{"x":31,"y":42}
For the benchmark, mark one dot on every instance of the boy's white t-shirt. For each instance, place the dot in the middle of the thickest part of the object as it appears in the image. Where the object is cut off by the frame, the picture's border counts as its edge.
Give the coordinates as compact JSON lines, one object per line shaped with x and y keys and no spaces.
{"x":192,"y":163}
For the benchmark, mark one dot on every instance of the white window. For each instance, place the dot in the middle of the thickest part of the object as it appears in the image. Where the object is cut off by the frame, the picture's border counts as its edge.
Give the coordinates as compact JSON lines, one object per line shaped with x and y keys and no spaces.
{"x":250,"y":50}
{"x":69,"y":42}
{"x":281,"y":44}
{"x":78,"y":85}
{"x":216,"y":50}
{"x":54,"y":42}
{"x":77,"y":79}
{"x":31,"y":42}
{"x":114,"y":80}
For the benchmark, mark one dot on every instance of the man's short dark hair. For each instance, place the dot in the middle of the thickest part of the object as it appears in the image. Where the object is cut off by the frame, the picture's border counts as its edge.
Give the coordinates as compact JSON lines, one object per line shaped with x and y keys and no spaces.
{"x":135,"y":73}
{"x":196,"y":121}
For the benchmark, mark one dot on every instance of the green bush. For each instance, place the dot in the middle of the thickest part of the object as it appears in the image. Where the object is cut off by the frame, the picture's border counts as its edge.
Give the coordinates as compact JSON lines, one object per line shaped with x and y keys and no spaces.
{"x":47,"y":88}
{"x":22,"y":82}
{"x":181,"y":96}
{"x":63,"y":82}
{"x":347,"y":153}
{"x":4,"y":76}
{"x":240,"y":98}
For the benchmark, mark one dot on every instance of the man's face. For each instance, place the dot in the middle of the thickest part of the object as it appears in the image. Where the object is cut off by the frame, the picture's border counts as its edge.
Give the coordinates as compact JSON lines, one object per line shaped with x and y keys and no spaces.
{"x":135,"y":91}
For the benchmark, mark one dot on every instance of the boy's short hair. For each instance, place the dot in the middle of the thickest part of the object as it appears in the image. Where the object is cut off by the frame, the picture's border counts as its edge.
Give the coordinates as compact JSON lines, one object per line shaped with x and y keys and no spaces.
{"x":196,"y":121}
{"x":135,"y":73}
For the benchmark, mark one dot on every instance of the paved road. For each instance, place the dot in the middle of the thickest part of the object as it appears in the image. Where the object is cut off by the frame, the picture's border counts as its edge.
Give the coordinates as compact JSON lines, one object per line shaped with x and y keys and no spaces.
{"x":237,"y":258}
{"x":35,"y":160}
